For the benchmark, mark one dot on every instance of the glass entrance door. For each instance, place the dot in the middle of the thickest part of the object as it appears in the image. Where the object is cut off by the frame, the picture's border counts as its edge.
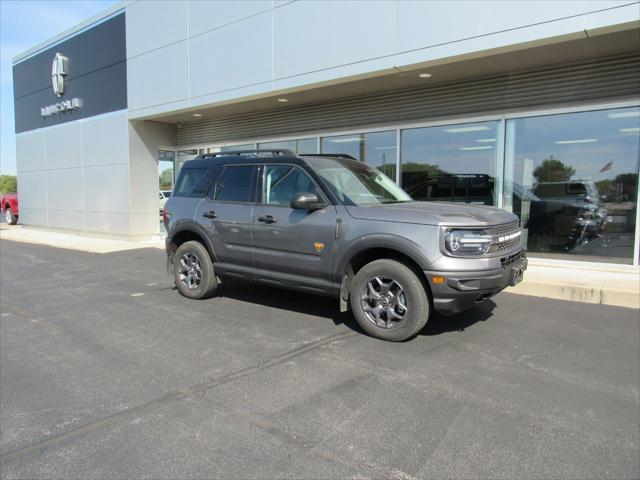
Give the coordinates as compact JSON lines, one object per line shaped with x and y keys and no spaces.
{"x":166,"y":160}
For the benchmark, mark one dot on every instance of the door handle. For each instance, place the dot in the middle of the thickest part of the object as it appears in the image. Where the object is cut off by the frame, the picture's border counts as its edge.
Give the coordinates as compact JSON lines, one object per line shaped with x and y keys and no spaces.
{"x":210,"y":214}
{"x":268,"y":219}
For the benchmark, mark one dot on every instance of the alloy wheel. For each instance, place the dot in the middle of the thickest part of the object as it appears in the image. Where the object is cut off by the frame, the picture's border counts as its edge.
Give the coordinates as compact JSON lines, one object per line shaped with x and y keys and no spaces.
{"x":384,"y":302}
{"x":190,"y":271}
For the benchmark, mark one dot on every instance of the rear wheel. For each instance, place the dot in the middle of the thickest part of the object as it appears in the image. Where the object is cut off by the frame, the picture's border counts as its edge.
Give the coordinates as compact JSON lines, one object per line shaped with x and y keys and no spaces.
{"x":193,"y":271}
{"x":389,"y":301}
{"x":10,"y":218}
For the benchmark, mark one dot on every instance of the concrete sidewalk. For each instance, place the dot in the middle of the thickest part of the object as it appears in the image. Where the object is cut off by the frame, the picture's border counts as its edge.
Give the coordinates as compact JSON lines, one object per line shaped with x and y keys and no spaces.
{"x":73,"y":241}
{"x":606,"y":284}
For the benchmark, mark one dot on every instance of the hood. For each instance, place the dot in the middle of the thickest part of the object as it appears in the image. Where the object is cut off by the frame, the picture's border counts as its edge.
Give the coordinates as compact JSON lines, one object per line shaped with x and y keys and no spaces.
{"x":434,"y":213}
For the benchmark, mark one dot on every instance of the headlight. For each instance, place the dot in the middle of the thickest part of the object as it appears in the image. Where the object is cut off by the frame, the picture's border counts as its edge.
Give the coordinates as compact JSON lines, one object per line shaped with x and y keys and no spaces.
{"x":467,"y":242}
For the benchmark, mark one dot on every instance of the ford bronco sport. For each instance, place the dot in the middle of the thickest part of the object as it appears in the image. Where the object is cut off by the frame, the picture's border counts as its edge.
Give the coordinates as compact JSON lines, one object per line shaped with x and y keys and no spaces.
{"x":331,"y":225}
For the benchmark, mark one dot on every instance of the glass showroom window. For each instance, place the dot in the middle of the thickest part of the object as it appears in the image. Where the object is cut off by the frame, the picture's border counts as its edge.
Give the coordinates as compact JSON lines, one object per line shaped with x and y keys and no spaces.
{"x":302,"y":146}
{"x":573,"y":181}
{"x":183,"y":156}
{"x":246,"y":146}
{"x":451,"y":163}
{"x":287,"y":144}
{"x":165,"y":170}
{"x":377,"y":149}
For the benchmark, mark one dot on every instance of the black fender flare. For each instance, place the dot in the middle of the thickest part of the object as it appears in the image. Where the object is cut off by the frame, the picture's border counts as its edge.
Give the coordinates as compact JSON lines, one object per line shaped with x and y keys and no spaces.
{"x":193,"y":227}
{"x":388,"y":241}
{"x":344,"y":275}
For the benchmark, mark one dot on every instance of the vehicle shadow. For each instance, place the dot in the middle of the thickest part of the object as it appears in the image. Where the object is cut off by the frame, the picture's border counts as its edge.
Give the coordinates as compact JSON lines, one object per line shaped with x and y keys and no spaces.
{"x":328,"y":307}
{"x":439,"y":324}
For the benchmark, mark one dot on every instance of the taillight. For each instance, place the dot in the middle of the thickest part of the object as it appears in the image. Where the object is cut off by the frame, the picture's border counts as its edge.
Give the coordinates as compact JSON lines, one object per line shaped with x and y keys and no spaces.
{"x":164,"y":215}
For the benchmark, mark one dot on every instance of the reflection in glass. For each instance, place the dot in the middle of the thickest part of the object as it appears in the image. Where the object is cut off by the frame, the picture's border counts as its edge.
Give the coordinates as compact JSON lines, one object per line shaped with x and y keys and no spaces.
{"x":573,"y":181}
{"x":231,"y":148}
{"x":165,"y":170}
{"x":377,"y":149}
{"x":284,"y":145}
{"x":307,"y":145}
{"x":356,"y":183}
{"x":301,"y":146}
{"x":183,"y":156}
{"x":281,"y":183}
{"x":451,"y":163}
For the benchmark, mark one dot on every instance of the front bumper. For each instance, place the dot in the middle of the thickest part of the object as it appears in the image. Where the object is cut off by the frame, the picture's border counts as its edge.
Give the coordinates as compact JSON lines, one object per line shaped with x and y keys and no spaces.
{"x":462,"y":290}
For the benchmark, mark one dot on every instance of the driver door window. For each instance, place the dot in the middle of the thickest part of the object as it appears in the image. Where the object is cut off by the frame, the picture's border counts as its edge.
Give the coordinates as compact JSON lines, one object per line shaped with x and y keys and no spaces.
{"x":281,"y":183}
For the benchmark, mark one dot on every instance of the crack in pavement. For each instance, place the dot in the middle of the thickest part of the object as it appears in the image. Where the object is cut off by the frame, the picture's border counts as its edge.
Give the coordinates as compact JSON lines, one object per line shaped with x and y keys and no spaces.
{"x":267,"y":426}
{"x":196,"y":389}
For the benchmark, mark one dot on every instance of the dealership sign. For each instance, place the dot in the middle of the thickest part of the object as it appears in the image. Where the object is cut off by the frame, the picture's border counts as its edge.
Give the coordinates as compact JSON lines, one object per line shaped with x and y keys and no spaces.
{"x":59,"y":71}
{"x":65,"y":105}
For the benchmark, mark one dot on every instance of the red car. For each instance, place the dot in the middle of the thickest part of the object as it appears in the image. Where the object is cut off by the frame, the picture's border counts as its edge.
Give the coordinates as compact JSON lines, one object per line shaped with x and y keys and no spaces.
{"x":9,"y":207}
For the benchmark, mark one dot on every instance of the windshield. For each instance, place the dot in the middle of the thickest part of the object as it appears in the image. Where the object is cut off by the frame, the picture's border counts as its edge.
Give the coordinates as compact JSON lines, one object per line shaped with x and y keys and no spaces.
{"x":356,"y":183}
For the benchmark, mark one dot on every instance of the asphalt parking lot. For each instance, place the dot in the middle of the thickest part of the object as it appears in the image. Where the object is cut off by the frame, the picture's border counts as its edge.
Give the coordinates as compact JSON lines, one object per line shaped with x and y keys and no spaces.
{"x":107,"y":372}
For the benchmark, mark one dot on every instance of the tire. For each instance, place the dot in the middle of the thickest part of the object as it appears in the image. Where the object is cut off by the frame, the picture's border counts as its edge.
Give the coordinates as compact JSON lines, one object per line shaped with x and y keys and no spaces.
{"x":406,"y":309}
{"x":9,"y":217}
{"x":193,"y":271}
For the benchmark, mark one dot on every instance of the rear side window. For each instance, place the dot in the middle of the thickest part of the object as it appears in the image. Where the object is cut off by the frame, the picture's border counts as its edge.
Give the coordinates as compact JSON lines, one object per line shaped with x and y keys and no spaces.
{"x":234,"y":185}
{"x":195,"y":182}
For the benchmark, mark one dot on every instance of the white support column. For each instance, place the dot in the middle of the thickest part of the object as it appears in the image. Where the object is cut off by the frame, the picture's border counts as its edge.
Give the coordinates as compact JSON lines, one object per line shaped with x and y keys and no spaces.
{"x":636,"y":241}
{"x":499,"y":185}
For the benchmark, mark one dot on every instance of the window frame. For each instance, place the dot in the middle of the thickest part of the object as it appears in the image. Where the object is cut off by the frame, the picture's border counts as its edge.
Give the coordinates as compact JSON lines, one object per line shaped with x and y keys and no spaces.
{"x":260,"y":184}
{"x":209,"y":171}
{"x":211,"y":194}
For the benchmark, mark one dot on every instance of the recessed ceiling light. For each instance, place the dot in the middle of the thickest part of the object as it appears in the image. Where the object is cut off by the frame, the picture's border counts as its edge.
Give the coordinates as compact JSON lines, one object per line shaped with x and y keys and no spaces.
{"x":283,"y":100}
{"x":466,"y":129}
{"x":424,"y":75}
{"x":197,"y":114}
{"x":628,"y":130}
{"x":580,"y":140}
{"x":477,"y":148}
{"x":486,"y":140}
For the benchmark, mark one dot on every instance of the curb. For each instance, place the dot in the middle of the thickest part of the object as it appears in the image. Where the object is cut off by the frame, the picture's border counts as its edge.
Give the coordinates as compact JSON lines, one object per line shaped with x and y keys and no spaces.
{"x":617,"y":288}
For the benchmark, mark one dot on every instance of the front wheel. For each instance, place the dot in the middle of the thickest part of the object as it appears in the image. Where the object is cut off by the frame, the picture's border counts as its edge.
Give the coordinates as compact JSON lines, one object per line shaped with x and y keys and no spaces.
{"x":193,"y":271}
{"x":389,"y":301}
{"x":10,"y":217}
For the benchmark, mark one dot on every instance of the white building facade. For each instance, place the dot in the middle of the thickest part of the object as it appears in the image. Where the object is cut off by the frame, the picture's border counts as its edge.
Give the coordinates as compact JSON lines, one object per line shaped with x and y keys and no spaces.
{"x":532,"y":106}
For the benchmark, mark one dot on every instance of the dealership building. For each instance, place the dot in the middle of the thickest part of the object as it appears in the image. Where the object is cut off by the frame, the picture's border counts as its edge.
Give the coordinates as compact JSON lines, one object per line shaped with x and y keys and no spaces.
{"x":531,"y":106}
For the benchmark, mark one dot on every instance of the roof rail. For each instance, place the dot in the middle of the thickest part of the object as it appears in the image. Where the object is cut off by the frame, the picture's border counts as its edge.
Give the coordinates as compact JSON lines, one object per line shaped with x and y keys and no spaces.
{"x":329,"y":155}
{"x":253,"y":153}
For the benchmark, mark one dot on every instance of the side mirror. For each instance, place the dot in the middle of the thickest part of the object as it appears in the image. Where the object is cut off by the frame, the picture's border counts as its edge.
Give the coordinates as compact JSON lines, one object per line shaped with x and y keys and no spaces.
{"x":306,"y":201}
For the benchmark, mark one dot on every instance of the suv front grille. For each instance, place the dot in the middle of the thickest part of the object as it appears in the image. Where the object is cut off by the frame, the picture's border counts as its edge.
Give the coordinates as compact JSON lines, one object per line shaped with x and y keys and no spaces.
{"x":504,"y":229}
{"x":505,"y":237}
{"x":507,"y":245}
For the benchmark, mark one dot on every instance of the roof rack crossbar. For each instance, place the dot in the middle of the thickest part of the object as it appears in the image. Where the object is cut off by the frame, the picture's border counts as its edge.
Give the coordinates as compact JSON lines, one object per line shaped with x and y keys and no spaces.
{"x":254,"y":152}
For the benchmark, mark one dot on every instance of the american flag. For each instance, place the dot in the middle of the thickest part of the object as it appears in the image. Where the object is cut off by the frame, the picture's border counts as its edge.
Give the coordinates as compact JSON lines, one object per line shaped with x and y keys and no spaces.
{"x":606,"y":167}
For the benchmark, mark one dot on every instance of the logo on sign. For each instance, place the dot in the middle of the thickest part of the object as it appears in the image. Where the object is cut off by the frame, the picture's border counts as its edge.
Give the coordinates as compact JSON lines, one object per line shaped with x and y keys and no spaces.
{"x":58,"y":73}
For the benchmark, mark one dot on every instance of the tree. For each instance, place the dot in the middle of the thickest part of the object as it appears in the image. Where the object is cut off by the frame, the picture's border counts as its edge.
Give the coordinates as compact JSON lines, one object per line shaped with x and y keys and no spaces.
{"x":8,"y":184}
{"x":553,"y":170}
{"x":627,"y":179}
{"x":166,"y":179}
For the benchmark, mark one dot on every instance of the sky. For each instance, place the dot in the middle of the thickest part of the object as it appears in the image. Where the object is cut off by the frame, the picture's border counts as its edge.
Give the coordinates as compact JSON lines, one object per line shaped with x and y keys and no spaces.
{"x":24,"y":24}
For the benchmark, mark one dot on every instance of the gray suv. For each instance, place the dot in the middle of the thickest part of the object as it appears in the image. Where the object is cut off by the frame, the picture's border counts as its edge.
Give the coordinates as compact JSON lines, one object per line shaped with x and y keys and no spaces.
{"x":331,"y":225}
